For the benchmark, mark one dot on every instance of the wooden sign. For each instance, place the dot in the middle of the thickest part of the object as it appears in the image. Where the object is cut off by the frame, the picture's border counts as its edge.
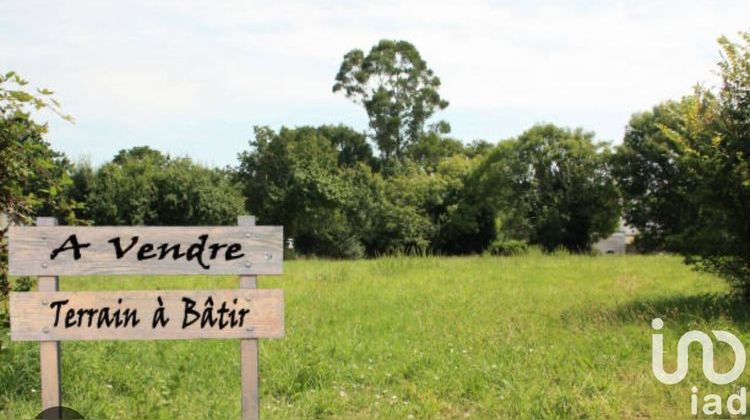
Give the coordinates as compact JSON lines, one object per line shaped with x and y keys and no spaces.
{"x":50,"y":316}
{"x":74,"y":250}
{"x":147,"y":315}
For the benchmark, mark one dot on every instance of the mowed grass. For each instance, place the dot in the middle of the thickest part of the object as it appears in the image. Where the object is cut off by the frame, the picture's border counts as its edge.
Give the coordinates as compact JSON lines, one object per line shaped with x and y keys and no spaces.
{"x":529,"y":336}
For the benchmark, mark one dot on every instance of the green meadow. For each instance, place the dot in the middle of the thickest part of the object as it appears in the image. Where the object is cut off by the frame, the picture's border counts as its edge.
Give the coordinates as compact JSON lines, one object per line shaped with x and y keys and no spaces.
{"x":459,"y":337}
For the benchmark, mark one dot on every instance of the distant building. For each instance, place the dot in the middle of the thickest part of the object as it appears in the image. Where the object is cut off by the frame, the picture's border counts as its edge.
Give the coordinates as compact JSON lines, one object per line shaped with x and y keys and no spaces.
{"x":618,"y":242}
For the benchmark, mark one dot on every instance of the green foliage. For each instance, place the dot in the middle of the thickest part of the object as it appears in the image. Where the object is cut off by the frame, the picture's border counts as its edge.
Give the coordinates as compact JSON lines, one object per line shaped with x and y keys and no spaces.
{"x":722,"y":243}
{"x":402,"y":222}
{"x":551,"y":186}
{"x":293,"y":178}
{"x":432,"y":148}
{"x":685,"y":172}
{"x":416,"y":210}
{"x":508,"y":247}
{"x":352,"y":146}
{"x":396,"y":88}
{"x":336,"y":204}
{"x":464,"y":222}
{"x":654,"y":170}
{"x":34,"y":179}
{"x":143,"y":186}
{"x":83,"y":177}
{"x":478,"y":148}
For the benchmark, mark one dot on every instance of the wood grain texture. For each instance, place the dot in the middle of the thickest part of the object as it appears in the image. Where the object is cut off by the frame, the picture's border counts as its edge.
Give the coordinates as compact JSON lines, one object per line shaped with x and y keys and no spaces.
{"x":32,"y":315}
{"x":49,"y":351}
{"x":49,"y":358}
{"x":30,"y":250}
{"x":249,"y":361}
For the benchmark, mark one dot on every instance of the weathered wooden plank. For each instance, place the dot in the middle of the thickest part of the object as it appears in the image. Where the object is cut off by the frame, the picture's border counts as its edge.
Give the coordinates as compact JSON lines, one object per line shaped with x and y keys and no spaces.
{"x":38,"y":316}
{"x":48,"y":251}
{"x":49,"y":351}
{"x":249,"y":353}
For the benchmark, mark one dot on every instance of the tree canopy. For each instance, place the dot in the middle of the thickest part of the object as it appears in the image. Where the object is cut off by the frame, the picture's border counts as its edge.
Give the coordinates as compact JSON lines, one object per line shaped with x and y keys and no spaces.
{"x":551,"y":186}
{"x":681,"y":175}
{"x":397,"y":89}
{"x":34,"y":179}
{"x":143,"y":186}
{"x":684,"y":172}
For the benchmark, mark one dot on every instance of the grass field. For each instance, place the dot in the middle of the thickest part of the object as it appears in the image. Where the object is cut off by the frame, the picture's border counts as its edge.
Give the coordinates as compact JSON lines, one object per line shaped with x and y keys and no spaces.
{"x":530,"y":336}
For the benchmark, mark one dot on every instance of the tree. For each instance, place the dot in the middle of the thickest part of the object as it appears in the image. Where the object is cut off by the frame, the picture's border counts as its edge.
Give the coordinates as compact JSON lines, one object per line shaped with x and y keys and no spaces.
{"x":551,"y":186}
{"x":478,"y":148}
{"x":396,"y":88}
{"x":722,"y":243}
{"x":654,"y":172}
{"x":143,"y":186}
{"x":124,"y":190}
{"x":336,"y":206}
{"x":351,"y":145}
{"x":685,"y":172}
{"x":292,"y":177}
{"x":34,"y":179}
{"x":432,"y":148}
{"x":465,"y":223}
{"x":83,"y":177}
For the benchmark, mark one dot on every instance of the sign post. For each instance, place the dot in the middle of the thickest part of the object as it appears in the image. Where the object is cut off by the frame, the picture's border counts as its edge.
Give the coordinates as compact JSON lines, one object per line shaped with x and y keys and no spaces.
{"x":49,"y":351}
{"x":249,"y":351}
{"x":50,"y":316}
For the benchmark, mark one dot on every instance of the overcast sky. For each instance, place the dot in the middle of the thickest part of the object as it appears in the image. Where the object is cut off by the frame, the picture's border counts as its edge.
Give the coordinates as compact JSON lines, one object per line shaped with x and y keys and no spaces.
{"x":192,"y":78}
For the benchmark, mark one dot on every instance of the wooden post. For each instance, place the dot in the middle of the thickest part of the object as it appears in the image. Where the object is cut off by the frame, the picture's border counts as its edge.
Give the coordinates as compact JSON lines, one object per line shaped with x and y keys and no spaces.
{"x":49,"y":351}
{"x":249,"y":352}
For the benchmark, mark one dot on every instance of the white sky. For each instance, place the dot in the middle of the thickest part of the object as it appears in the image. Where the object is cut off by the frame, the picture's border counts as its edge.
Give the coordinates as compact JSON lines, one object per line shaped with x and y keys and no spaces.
{"x":192,"y":78}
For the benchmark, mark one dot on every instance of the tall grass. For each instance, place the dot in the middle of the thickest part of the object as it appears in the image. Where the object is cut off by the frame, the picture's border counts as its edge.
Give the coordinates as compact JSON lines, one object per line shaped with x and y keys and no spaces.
{"x":402,"y":337}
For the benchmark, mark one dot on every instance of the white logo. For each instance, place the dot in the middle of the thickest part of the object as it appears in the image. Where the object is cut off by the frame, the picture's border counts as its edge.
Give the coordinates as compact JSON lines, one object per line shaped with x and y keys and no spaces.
{"x":657,"y":355}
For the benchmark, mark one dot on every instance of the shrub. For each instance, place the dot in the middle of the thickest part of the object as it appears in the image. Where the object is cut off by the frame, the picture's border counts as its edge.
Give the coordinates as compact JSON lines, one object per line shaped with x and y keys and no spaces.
{"x":508,"y":247}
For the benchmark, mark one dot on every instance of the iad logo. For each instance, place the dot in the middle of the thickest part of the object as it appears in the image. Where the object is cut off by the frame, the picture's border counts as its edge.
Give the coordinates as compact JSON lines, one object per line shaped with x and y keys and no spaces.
{"x":736,"y":404}
{"x":657,"y":355}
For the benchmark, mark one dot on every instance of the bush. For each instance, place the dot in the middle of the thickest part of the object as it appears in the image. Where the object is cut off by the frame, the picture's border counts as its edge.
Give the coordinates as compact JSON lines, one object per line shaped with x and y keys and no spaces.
{"x":551,"y":186}
{"x":508,"y":247}
{"x":143,"y":186}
